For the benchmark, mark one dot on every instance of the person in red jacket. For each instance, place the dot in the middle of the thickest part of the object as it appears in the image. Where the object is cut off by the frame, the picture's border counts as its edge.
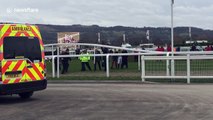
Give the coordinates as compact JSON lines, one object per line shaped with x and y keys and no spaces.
{"x":208,"y":48}
{"x":169,"y":49}
{"x":162,"y":49}
{"x":158,"y":48}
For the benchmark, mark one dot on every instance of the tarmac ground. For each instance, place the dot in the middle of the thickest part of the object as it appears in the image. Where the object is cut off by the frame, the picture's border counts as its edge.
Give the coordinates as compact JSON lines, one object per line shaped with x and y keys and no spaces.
{"x":109,"y":101}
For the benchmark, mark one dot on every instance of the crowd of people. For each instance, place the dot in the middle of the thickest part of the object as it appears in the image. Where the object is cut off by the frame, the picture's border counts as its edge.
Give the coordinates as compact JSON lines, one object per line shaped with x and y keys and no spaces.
{"x":168,"y":49}
{"x":118,"y":62}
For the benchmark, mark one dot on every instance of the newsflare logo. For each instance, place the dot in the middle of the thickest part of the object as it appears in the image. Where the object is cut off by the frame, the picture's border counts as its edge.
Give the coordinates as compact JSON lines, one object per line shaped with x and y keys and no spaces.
{"x":22,"y":10}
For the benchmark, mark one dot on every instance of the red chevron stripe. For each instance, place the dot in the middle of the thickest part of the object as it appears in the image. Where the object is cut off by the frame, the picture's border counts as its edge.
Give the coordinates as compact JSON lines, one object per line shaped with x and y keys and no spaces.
{"x":1,"y":26}
{"x":18,"y":34}
{"x":1,"y":56}
{"x":5,"y":67}
{"x":41,"y":42}
{"x":7,"y":33}
{"x":30,"y":74}
{"x":34,"y":33}
{"x":17,"y":80}
{"x":38,"y":72}
{"x":26,"y":34}
{"x":24,"y":71}
{"x":43,"y":55}
{"x":6,"y":81}
{"x":41,"y":65}
{"x":18,"y":64}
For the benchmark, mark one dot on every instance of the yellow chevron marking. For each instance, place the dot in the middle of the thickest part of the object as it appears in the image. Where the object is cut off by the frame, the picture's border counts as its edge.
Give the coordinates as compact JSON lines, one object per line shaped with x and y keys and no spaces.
{"x":12,"y":33}
{"x":12,"y":80}
{"x":34,"y":73}
{"x":36,"y":31}
{"x":4,"y":29}
{"x":27,"y":77}
{"x":30,"y":34}
{"x":21,"y":67}
{"x":12,"y":65}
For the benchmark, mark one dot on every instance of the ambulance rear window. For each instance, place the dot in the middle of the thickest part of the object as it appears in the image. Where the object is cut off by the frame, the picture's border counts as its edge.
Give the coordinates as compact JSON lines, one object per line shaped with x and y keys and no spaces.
{"x":22,"y":47}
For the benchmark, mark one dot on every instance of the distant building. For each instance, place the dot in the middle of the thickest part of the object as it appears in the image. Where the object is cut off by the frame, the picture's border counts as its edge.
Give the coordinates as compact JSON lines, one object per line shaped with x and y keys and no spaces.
{"x":147,"y":45}
{"x":197,"y":41}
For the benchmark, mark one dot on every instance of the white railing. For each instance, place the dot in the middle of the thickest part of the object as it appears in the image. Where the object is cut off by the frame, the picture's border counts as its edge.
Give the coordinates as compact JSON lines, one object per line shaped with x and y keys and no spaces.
{"x":187,"y":58}
{"x":184,"y":58}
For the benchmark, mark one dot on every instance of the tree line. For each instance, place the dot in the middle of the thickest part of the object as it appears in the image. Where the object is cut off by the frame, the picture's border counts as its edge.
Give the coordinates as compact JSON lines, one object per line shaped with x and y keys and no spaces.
{"x":134,"y":35}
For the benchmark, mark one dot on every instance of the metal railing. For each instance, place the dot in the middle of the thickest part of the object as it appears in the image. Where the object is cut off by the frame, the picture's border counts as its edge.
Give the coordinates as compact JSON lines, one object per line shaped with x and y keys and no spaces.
{"x":187,"y":65}
{"x":184,"y":67}
{"x":156,"y":65}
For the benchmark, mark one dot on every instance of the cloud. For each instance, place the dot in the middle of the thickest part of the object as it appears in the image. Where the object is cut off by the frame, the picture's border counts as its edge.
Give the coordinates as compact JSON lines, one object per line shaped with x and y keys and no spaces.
{"x":194,"y":16}
{"x":137,"y":13}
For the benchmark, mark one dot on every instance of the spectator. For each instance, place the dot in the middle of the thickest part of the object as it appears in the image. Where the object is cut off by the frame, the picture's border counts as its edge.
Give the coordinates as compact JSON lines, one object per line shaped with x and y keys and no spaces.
{"x":193,"y":48}
{"x":208,"y":48}
{"x":119,"y":62}
{"x":178,"y":49}
{"x":158,"y":48}
{"x":105,"y":51}
{"x":162,"y":49}
{"x":169,"y":49}
{"x":124,"y":60}
{"x":97,"y":60}
{"x":77,"y":51}
{"x":65,"y":61}
{"x":114,"y":61}
{"x":84,"y":58}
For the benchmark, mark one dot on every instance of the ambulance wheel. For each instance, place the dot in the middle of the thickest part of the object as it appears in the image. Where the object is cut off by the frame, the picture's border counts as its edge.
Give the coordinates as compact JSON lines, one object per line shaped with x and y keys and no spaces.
{"x":25,"y":95}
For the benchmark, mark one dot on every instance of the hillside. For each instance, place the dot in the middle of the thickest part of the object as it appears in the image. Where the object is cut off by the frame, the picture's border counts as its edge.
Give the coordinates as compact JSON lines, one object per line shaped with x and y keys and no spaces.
{"x":134,"y":36}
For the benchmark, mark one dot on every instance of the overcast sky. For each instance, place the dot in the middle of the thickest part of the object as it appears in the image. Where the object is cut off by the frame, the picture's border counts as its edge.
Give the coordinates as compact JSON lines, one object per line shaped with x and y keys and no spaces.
{"x":134,"y":13}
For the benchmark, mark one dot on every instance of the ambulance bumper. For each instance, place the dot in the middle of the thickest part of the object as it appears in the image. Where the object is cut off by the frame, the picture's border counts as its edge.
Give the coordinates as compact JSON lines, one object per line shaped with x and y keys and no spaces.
{"x":7,"y":89}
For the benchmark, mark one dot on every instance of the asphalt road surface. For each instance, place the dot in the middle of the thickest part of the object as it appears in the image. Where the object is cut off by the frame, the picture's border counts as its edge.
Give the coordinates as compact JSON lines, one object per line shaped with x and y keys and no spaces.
{"x":112,"y":102}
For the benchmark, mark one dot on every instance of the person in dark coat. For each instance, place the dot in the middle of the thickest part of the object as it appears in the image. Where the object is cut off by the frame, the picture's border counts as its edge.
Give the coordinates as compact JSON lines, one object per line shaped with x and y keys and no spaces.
{"x":97,"y":60}
{"x":114,"y":61}
{"x":193,"y":48}
{"x":124,"y":60}
{"x":178,"y":49}
{"x":105,"y":51}
{"x":78,"y":51}
{"x":65,"y":62}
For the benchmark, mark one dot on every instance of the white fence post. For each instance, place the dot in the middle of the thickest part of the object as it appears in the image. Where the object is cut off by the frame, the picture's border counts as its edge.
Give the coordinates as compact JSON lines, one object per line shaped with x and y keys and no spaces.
{"x":94,"y":56}
{"x":142,"y":68}
{"x":172,"y":66}
{"x":139,"y":62}
{"x":188,"y":69}
{"x":53,"y":67}
{"x":52,"y":50}
{"x":167,"y":65}
{"x":107,"y":65}
{"x":58,"y":62}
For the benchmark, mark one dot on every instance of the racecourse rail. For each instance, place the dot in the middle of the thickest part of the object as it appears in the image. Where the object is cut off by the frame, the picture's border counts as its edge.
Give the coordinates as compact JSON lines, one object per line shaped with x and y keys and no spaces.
{"x":187,"y":59}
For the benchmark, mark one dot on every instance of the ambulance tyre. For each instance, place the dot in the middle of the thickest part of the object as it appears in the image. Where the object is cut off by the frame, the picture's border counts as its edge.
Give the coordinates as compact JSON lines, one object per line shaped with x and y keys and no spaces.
{"x":25,"y":95}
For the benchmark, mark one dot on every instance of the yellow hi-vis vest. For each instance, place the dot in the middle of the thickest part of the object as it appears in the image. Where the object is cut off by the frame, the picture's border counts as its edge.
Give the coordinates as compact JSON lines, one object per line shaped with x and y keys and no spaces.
{"x":84,"y":57}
